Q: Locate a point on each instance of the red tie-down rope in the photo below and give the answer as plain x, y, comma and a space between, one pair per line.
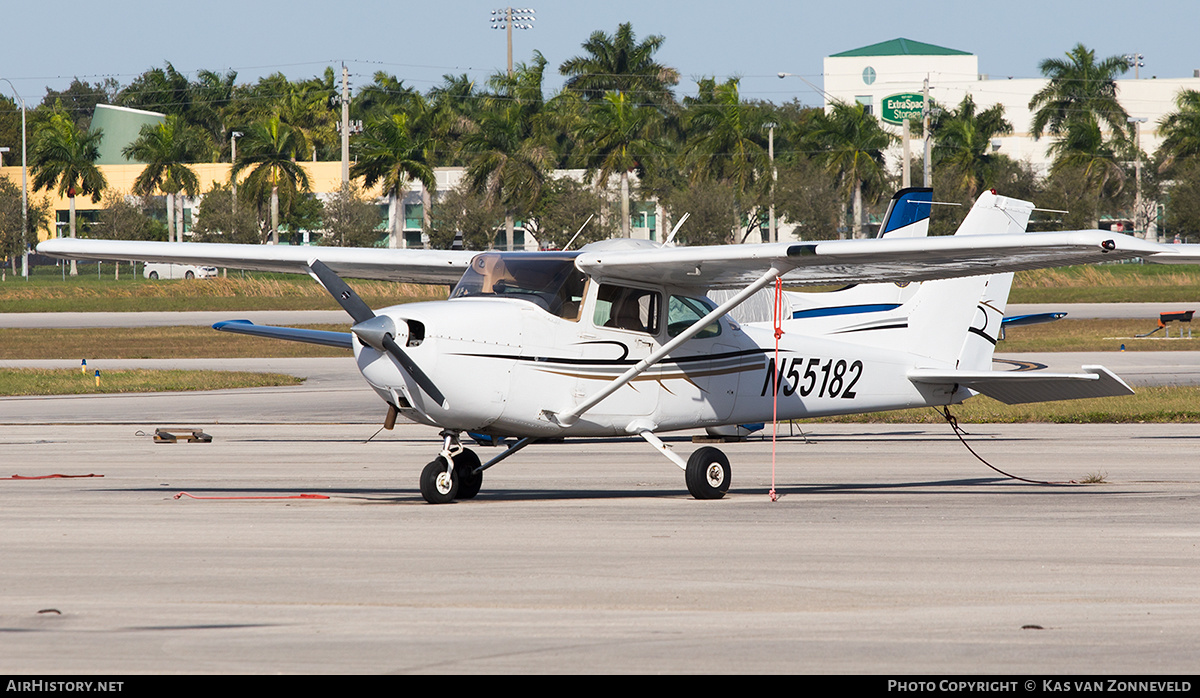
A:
46, 477
775, 379
289, 496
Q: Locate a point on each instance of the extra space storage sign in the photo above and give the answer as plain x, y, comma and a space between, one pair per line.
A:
897, 108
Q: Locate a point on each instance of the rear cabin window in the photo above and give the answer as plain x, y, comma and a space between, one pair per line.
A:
624, 308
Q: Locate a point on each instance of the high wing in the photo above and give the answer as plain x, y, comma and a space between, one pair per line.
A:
442, 267
721, 266
861, 261
1177, 254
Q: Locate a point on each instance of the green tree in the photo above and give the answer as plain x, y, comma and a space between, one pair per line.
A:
1098, 161
464, 211
125, 218
806, 196
1180, 130
268, 151
1079, 89
508, 151
1183, 202
64, 156
710, 204
79, 100
350, 219
962, 140
849, 142
564, 208
616, 137
619, 63
167, 148
15, 233
219, 221
390, 154
727, 141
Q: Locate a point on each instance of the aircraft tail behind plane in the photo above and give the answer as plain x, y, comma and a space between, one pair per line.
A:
953, 322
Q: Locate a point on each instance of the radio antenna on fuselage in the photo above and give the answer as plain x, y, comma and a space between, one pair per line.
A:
577, 232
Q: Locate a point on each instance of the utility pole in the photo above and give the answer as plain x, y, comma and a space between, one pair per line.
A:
24, 190
772, 236
928, 168
233, 160
905, 175
345, 127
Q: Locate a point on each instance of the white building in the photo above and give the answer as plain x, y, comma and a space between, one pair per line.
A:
872, 73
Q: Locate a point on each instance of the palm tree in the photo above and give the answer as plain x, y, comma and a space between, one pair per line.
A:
508, 147
962, 139
849, 143
615, 137
618, 63
1084, 149
166, 148
1079, 87
65, 155
1181, 130
269, 151
389, 152
725, 139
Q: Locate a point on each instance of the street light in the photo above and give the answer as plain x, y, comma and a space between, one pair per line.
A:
1137, 122
808, 82
1134, 60
508, 18
24, 190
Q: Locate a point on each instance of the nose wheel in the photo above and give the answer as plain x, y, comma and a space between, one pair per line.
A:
454, 474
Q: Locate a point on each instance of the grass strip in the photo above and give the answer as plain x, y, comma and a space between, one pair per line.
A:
1149, 405
1098, 335
68, 381
86, 293
180, 342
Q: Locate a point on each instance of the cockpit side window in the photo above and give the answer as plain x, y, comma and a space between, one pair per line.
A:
549, 281
624, 308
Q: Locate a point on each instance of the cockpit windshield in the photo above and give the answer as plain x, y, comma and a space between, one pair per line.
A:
547, 279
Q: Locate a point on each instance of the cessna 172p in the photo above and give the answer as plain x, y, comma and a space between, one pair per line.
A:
621, 338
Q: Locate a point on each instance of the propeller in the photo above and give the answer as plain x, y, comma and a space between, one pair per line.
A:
376, 331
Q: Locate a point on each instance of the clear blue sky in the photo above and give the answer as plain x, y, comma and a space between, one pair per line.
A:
47, 43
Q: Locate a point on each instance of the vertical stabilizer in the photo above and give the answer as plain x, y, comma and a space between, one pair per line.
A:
907, 214
956, 321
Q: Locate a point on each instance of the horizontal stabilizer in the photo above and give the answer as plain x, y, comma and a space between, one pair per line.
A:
1017, 387
340, 340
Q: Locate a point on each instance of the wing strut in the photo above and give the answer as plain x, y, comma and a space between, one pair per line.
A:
572, 415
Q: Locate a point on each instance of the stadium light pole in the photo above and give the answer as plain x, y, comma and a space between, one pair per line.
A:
24, 189
509, 18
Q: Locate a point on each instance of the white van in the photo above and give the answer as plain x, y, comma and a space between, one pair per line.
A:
177, 271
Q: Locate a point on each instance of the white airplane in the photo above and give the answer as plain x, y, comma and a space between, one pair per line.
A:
620, 338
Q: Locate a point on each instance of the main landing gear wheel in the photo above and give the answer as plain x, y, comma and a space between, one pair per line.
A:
708, 473
469, 479
437, 485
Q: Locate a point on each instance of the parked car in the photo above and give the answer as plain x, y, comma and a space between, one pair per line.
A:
178, 271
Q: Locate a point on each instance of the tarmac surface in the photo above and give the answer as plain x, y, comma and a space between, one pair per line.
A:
333, 317
890, 548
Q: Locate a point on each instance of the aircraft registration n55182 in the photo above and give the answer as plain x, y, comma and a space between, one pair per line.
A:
631, 337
